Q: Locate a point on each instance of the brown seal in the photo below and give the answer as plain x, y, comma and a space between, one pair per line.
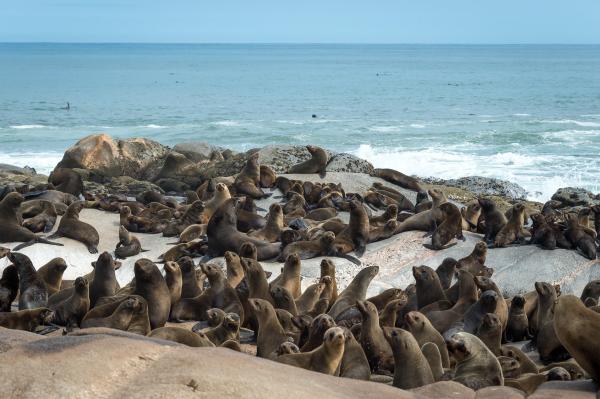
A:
192, 232
485, 283
432, 354
128, 245
512, 231
119, 315
32, 289
355, 291
227, 330
10, 224
323, 246
71, 311
391, 213
235, 271
151, 285
26, 320
104, 283
423, 220
321, 214
283, 299
414, 370
324, 359
248, 180
517, 327
183, 336
397, 178
487, 303
328, 269
490, 332
290, 275
356, 236
192, 215
271, 232
579, 237
223, 234
316, 164
43, 221
471, 214
476, 365
372, 338
474, 262
52, 273
494, 219
71, 227
309, 298
190, 287
541, 232
450, 228
576, 326
67, 181
382, 232
267, 176
429, 287
270, 331
174, 280
446, 271
354, 362
9, 287
316, 331
421, 328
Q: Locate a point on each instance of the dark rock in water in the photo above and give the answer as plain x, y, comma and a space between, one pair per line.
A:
199, 151
479, 185
572, 196
348, 163
105, 156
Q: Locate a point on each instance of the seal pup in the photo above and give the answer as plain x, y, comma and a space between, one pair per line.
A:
512, 231
151, 285
10, 224
196, 339
32, 289
174, 280
476, 365
316, 164
270, 332
324, 359
71, 311
248, 180
27, 319
423, 220
51, 273
290, 276
354, 363
104, 282
43, 221
451, 227
128, 245
413, 369
71, 227
517, 327
372, 338
420, 327
578, 236
494, 219
274, 226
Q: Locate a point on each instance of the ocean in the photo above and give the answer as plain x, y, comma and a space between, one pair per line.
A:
525, 113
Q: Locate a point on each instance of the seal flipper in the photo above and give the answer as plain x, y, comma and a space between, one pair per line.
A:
37, 240
322, 174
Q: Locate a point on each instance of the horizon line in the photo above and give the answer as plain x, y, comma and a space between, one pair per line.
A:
314, 43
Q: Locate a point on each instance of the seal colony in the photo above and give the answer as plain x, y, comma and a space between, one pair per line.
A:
452, 324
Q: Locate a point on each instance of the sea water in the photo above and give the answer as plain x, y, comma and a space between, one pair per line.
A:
526, 113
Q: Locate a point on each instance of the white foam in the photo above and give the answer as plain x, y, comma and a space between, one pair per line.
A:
575, 122
540, 175
153, 126
521, 114
417, 125
385, 129
227, 123
42, 162
24, 127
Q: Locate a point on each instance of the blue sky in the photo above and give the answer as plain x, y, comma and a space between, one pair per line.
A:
304, 21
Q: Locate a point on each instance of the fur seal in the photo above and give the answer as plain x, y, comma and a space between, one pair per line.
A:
576, 327
223, 234
27, 319
471, 214
486, 304
190, 287
413, 369
397, 178
227, 330
290, 275
446, 271
318, 326
474, 262
248, 180
420, 327
151, 285
183, 336
120, 314
372, 338
174, 280
451, 227
71, 227
128, 245
104, 282
9, 287
517, 328
357, 232
51, 273
476, 365
485, 283
579, 237
324, 359
10, 224
354, 362
309, 298
32, 289
270, 332
490, 332
432, 354
512, 231
355, 291
423, 221
43, 221
429, 287
494, 219
391, 213
328, 269
316, 164
71, 311
271, 232
67, 181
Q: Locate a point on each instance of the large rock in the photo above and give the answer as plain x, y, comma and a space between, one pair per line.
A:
16, 176
108, 157
349, 163
199, 151
281, 157
579, 389
487, 186
122, 365
571, 196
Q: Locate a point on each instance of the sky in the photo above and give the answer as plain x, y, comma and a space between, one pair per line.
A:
301, 21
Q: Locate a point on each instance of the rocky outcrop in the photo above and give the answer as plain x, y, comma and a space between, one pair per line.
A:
348, 163
571, 196
281, 157
15, 176
108, 157
484, 186
199, 151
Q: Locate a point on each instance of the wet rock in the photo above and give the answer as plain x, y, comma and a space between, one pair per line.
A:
103, 155
199, 151
348, 163
571, 196
487, 186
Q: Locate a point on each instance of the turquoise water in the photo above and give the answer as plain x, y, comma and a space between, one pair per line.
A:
529, 114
